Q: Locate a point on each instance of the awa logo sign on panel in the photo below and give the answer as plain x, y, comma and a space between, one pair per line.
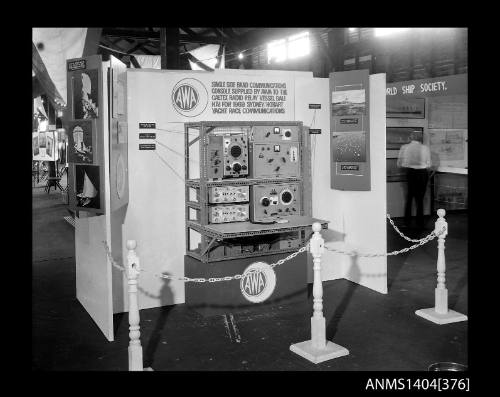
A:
258, 282
189, 97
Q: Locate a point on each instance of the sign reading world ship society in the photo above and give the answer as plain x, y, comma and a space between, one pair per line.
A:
258, 282
214, 97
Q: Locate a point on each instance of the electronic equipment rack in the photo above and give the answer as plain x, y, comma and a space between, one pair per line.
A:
211, 242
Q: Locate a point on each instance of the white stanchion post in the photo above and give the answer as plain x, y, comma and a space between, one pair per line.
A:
440, 314
318, 349
134, 349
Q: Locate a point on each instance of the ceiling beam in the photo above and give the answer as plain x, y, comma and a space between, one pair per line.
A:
155, 36
92, 41
257, 37
138, 46
43, 77
189, 31
323, 48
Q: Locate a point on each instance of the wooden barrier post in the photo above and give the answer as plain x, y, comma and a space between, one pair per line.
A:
440, 314
318, 349
134, 348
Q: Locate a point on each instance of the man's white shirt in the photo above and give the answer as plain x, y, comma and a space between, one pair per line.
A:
414, 155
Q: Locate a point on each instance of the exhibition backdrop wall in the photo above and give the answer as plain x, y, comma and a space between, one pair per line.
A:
155, 214
158, 103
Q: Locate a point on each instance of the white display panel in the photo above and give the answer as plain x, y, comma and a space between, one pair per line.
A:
93, 269
357, 218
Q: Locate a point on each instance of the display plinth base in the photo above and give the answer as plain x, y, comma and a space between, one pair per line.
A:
211, 299
330, 351
450, 317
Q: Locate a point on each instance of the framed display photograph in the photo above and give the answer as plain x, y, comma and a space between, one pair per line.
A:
49, 147
348, 103
450, 146
36, 147
87, 186
350, 147
42, 139
86, 94
408, 108
81, 141
399, 136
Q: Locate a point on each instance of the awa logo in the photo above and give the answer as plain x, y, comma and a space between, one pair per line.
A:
189, 97
258, 282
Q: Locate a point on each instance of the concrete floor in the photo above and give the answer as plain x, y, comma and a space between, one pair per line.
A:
381, 332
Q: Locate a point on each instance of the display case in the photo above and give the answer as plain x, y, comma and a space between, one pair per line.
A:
228, 167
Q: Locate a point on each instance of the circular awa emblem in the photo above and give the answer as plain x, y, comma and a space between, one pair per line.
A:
258, 282
189, 97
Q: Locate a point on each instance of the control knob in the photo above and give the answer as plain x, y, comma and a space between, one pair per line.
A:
265, 201
237, 167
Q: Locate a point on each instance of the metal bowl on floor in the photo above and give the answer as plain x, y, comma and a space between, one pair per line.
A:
447, 366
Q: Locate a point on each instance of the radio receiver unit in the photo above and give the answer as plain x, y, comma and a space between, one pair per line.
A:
227, 156
274, 201
228, 213
228, 194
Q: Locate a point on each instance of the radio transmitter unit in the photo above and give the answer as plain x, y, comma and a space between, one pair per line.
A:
228, 194
274, 201
275, 160
227, 156
228, 213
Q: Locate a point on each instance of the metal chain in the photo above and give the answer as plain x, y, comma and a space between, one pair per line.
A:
423, 241
401, 233
211, 279
110, 257
236, 276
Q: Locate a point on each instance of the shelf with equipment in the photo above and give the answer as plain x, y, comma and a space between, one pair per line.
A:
239, 164
222, 235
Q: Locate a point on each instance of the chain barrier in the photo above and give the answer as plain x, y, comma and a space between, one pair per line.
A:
421, 242
401, 233
211, 279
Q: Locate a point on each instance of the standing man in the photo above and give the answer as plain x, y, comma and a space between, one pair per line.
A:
416, 158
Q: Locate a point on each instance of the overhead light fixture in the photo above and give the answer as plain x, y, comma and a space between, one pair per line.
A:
240, 55
379, 32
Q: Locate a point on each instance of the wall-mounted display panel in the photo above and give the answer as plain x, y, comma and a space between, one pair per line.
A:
85, 130
44, 146
399, 136
410, 108
449, 146
350, 127
118, 134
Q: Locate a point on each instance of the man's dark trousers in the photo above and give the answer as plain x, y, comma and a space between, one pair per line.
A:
417, 184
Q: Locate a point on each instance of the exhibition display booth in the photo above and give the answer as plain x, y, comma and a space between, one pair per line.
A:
215, 172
